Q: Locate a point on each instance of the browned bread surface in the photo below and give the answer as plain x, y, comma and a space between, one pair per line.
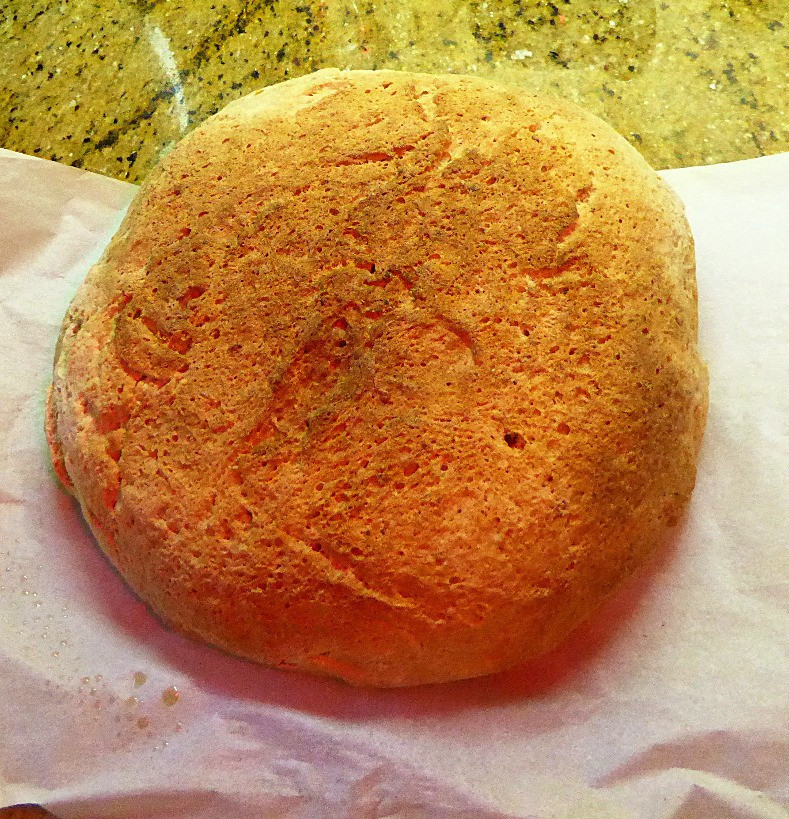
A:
385, 376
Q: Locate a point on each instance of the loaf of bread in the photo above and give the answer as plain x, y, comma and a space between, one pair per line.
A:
385, 376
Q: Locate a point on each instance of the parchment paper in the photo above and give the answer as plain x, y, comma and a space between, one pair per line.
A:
674, 701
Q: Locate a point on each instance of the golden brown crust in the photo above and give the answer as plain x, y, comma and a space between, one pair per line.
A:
386, 376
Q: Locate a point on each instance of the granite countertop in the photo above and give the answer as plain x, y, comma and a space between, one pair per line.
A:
110, 85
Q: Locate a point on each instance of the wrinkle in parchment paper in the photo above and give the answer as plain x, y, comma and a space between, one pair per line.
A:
672, 702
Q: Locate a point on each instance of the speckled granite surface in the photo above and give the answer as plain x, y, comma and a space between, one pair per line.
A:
109, 85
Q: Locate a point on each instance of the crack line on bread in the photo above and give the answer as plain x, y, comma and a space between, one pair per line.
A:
397, 152
346, 575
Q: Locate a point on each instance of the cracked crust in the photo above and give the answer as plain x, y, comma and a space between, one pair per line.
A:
385, 376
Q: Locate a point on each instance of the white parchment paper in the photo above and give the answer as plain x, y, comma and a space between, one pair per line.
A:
673, 702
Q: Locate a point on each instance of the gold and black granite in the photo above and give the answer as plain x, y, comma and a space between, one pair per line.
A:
111, 85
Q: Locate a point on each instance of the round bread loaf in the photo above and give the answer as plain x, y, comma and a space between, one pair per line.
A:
385, 376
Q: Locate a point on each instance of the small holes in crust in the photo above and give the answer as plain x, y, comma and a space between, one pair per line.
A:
515, 440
